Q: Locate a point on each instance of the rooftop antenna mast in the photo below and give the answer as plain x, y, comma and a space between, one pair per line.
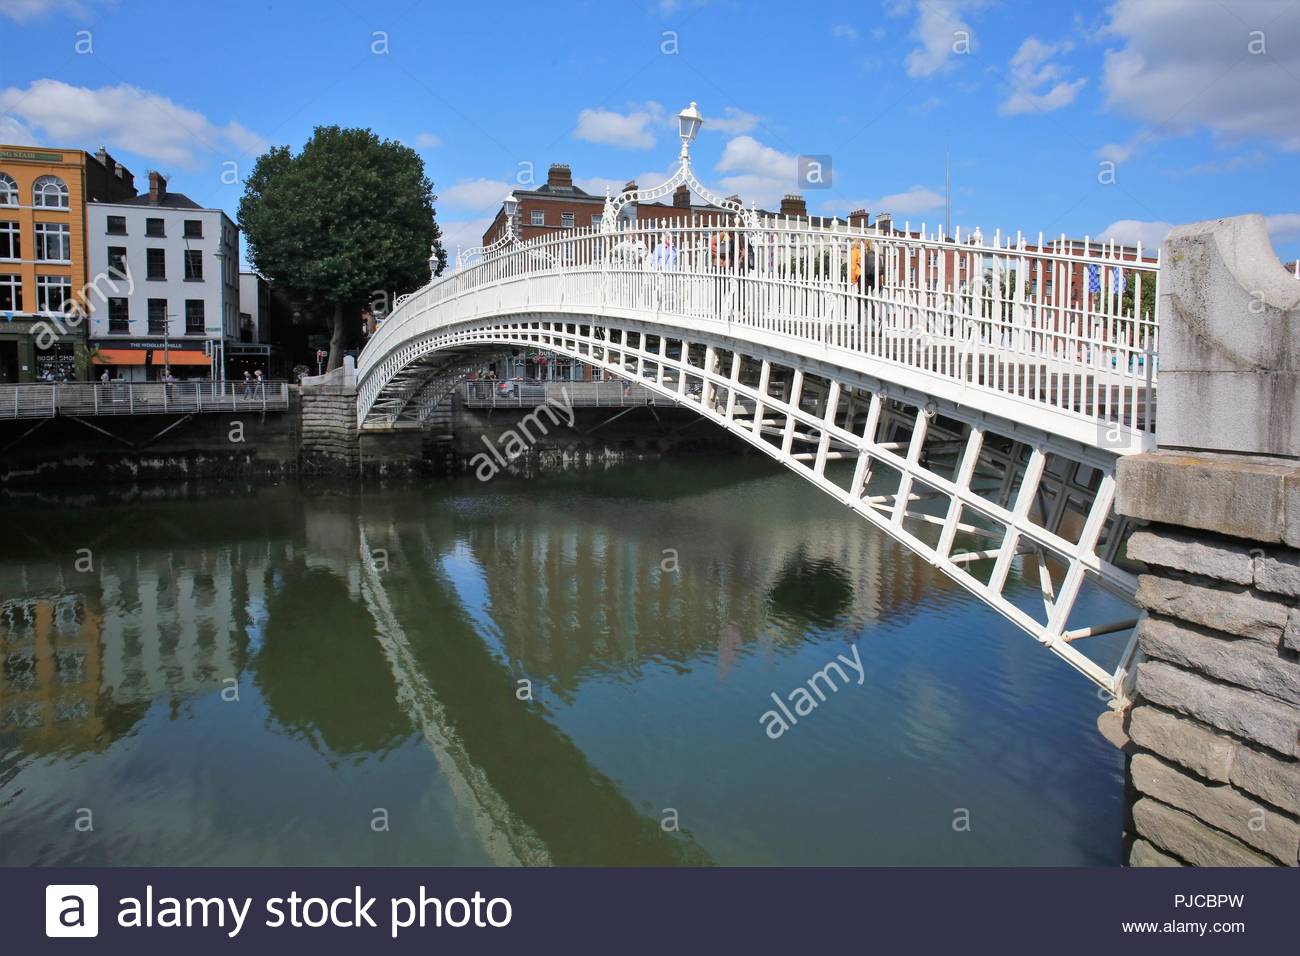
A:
947, 187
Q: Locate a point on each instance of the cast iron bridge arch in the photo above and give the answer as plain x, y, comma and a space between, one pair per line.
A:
978, 393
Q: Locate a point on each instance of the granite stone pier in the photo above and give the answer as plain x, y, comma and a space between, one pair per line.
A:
1212, 733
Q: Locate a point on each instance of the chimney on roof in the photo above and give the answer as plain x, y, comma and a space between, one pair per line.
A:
559, 175
629, 186
792, 204
101, 154
157, 187
859, 217
885, 223
682, 197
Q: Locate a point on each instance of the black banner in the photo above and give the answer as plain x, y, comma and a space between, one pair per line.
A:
656, 911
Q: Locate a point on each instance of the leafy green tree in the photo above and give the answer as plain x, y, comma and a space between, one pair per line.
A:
344, 221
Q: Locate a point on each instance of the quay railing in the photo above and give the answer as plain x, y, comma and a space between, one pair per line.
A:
91, 399
507, 393
1064, 325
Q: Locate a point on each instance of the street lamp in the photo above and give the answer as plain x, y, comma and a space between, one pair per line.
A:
689, 122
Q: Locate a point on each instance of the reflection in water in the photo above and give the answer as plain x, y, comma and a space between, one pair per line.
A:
817, 592
524, 672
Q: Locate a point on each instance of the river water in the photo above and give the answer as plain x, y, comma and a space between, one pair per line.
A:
575, 668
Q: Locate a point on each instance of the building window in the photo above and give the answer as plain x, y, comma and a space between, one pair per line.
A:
8, 190
194, 323
119, 316
53, 242
539, 217
155, 264
157, 316
117, 260
11, 293
50, 191
117, 225
193, 264
52, 293
10, 245
595, 219
566, 220
155, 228
193, 228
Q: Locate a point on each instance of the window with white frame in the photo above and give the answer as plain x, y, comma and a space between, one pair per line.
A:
595, 219
51, 192
8, 190
11, 293
539, 217
566, 220
52, 293
10, 245
53, 242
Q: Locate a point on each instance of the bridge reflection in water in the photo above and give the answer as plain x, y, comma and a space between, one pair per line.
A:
378, 647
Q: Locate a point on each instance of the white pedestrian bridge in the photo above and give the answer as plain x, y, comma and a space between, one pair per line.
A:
968, 395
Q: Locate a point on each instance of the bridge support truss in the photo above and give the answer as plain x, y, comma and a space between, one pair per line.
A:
1018, 516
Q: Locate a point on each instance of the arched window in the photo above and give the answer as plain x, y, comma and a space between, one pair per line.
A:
8, 190
50, 191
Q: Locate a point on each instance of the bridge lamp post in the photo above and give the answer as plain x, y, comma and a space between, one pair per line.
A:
689, 122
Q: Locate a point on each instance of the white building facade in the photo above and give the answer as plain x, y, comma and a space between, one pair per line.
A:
180, 308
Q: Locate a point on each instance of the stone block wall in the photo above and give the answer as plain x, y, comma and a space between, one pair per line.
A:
1213, 732
329, 443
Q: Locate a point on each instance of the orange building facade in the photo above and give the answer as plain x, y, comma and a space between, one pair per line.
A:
43, 261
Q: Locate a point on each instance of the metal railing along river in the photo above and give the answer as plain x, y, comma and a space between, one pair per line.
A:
89, 399
508, 393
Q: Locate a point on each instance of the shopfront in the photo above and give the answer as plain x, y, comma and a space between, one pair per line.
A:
145, 361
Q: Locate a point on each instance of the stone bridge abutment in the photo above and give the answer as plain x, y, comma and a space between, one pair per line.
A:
1212, 735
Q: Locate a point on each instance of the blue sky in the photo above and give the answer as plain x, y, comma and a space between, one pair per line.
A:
1195, 102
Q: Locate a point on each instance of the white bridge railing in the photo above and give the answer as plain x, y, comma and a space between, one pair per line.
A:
1062, 325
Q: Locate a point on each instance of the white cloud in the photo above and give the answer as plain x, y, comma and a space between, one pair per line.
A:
15, 133
733, 122
757, 173
844, 31
21, 11
1037, 84
474, 194
1131, 231
1284, 226
631, 130
1118, 152
462, 235
1230, 165
427, 140
927, 105
125, 117
1184, 66
911, 201
941, 32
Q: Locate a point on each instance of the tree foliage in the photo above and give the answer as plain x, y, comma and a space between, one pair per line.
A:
347, 219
